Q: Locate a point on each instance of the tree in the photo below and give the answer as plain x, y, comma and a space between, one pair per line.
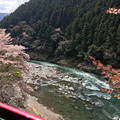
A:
111, 74
84, 22
12, 54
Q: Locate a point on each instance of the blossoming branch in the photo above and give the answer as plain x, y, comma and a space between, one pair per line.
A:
113, 11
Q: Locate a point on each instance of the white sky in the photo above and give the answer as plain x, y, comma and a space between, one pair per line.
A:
8, 6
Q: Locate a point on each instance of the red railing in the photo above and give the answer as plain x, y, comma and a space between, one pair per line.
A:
7, 111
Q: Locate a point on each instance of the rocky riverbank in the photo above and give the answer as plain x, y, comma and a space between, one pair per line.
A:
63, 61
32, 104
20, 94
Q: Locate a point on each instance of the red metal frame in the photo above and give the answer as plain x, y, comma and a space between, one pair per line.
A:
20, 112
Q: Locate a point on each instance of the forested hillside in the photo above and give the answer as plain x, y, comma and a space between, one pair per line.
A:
68, 29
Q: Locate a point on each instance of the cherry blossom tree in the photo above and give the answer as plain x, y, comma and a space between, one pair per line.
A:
12, 54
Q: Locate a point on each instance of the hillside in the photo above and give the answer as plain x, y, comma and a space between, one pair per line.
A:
2, 15
64, 29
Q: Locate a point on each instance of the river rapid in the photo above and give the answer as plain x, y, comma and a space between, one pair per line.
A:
72, 93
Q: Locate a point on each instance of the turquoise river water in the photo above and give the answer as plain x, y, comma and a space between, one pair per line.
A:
75, 95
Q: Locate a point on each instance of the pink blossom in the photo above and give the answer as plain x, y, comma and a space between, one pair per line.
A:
8, 51
113, 11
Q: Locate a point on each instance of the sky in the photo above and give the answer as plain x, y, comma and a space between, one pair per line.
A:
8, 6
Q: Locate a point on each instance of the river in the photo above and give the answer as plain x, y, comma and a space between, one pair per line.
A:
75, 94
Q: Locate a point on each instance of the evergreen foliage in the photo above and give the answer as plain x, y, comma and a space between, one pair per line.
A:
84, 28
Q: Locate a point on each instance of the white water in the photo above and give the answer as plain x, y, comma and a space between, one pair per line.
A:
67, 82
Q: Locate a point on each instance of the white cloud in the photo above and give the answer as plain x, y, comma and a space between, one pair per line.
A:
8, 6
